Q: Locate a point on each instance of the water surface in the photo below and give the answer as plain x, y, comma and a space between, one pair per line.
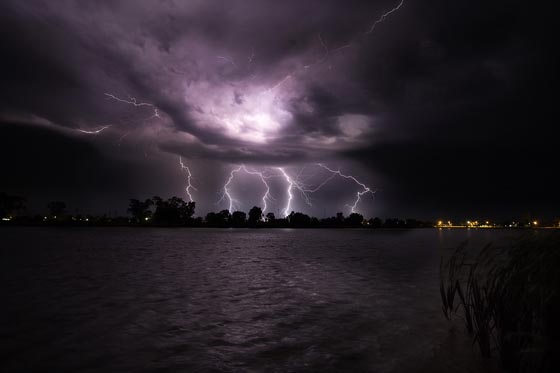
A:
109, 299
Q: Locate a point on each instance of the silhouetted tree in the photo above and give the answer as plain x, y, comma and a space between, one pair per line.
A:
299, 219
376, 223
281, 222
174, 211
255, 215
314, 222
270, 218
225, 217
328, 222
289, 217
394, 223
10, 205
186, 210
139, 210
56, 208
413, 223
355, 220
211, 219
238, 218
218, 219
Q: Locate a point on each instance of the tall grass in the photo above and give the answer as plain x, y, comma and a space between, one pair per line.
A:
508, 297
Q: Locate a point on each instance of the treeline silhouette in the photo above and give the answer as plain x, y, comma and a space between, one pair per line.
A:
174, 211
179, 212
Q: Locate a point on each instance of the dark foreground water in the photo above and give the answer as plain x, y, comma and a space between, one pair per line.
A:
225, 300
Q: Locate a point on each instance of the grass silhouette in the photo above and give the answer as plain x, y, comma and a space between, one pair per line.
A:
508, 297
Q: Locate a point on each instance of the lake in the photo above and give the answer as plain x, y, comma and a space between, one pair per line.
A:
226, 300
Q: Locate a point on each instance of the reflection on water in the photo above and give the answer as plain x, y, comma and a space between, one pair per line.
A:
222, 300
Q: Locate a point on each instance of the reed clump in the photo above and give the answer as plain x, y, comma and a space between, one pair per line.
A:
508, 297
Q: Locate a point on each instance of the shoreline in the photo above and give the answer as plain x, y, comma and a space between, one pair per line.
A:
204, 226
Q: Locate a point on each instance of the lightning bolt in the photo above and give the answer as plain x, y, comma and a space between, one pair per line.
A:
227, 59
134, 102
383, 16
119, 142
338, 49
227, 192
295, 183
189, 179
289, 190
359, 194
93, 132
304, 189
277, 85
291, 184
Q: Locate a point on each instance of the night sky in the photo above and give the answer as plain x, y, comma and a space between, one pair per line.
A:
446, 109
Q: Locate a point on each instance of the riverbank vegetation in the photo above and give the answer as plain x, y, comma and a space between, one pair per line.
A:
508, 298
174, 211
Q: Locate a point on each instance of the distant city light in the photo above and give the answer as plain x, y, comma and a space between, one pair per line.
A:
489, 224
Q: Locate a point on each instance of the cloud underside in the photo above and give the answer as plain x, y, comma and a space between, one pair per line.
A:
279, 83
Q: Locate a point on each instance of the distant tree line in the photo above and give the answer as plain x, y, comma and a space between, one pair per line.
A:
157, 211
10, 205
174, 211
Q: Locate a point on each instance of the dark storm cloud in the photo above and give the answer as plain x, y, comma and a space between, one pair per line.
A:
471, 110
45, 165
437, 86
68, 56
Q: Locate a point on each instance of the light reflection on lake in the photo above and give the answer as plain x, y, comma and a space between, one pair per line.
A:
106, 299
